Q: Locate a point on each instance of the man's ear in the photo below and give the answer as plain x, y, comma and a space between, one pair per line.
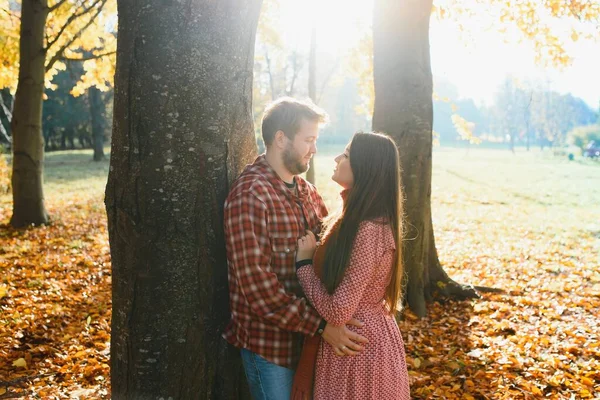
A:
279, 139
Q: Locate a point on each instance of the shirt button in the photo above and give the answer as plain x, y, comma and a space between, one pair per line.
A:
287, 250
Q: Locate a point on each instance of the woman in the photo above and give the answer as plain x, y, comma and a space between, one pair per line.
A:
357, 273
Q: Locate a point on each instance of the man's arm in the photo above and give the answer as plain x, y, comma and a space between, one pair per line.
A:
249, 257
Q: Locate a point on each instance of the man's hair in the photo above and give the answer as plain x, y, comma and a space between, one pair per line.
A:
286, 114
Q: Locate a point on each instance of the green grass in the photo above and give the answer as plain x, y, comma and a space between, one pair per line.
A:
70, 177
535, 183
493, 187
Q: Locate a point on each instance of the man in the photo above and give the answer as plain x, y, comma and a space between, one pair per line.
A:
268, 209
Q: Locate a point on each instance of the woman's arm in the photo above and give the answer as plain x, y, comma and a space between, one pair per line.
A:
367, 253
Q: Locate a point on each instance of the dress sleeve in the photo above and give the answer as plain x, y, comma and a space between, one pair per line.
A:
370, 246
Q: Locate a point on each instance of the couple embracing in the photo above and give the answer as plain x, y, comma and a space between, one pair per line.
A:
313, 296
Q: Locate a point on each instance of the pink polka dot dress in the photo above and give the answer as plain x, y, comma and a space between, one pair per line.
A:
379, 371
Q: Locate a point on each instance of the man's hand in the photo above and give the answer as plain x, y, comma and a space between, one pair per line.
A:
343, 340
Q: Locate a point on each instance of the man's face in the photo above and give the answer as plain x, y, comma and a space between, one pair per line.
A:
299, 151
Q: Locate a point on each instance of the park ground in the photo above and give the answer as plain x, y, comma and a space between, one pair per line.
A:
527, 223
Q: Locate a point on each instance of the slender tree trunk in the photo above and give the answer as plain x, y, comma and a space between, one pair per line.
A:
511, 143
404, 110
270, 71
312, 89
182, 132
97, 119
26, 125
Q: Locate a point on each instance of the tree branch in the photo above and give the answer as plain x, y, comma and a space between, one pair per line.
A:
92, 57
4, 135
70, 20
5, 109
326, 80
60, 52
58, 4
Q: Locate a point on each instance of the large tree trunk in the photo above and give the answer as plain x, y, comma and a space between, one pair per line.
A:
182, 132
97, 119
404, 110
26, 125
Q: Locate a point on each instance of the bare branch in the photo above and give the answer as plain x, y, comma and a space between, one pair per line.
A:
10, 13
5, 109
60, 52
4, 135
295, 72
271, 83
326, 80
70, 20
58, 4
92, 57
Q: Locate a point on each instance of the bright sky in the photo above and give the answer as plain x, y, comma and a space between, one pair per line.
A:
476, 66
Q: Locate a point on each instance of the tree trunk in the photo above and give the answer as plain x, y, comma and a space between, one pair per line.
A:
97, 119
404, 110
26, 124
312, 89
182, 132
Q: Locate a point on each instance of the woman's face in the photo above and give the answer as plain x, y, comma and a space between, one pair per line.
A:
342, 173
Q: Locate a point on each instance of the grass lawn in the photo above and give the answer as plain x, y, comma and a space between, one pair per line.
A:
528, 223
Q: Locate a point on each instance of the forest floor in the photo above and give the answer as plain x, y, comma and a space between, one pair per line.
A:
527, 223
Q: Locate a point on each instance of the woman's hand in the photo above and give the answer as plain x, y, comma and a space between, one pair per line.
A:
306, 246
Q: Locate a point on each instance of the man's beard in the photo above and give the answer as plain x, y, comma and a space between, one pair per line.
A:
293, 162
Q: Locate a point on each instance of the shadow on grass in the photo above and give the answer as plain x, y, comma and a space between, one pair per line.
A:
73, 166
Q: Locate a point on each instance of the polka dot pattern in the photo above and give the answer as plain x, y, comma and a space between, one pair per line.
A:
379, 372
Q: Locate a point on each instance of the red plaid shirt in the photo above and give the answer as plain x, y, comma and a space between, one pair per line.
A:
263, 222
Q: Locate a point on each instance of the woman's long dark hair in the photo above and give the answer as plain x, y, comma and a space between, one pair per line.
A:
376, 194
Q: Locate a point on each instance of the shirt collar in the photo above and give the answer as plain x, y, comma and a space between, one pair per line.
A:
268, 172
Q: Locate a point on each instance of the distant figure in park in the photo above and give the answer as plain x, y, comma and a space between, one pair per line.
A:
269, 208
356, 272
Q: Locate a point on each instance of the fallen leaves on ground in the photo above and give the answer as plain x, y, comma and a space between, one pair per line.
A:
55, 305
540, 339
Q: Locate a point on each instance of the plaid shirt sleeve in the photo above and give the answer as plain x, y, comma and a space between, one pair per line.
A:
249, 257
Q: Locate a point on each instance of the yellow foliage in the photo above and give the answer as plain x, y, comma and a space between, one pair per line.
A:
465, 129
83, 30
5, 175
360, 64
533, 20
539, 22
9, 46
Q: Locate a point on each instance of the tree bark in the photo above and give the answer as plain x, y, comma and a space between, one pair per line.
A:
26, 124
404, 110
182, 132
312, 89
97, 120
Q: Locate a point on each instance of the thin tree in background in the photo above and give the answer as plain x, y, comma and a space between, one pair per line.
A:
48, 34
404, 109
312, 88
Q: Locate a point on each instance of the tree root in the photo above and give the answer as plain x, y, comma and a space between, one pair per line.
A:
456, 291
487, 289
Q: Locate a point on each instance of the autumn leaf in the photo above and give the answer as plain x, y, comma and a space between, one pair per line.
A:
20, 363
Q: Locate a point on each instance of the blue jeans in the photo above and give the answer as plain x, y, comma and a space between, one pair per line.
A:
267, 381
